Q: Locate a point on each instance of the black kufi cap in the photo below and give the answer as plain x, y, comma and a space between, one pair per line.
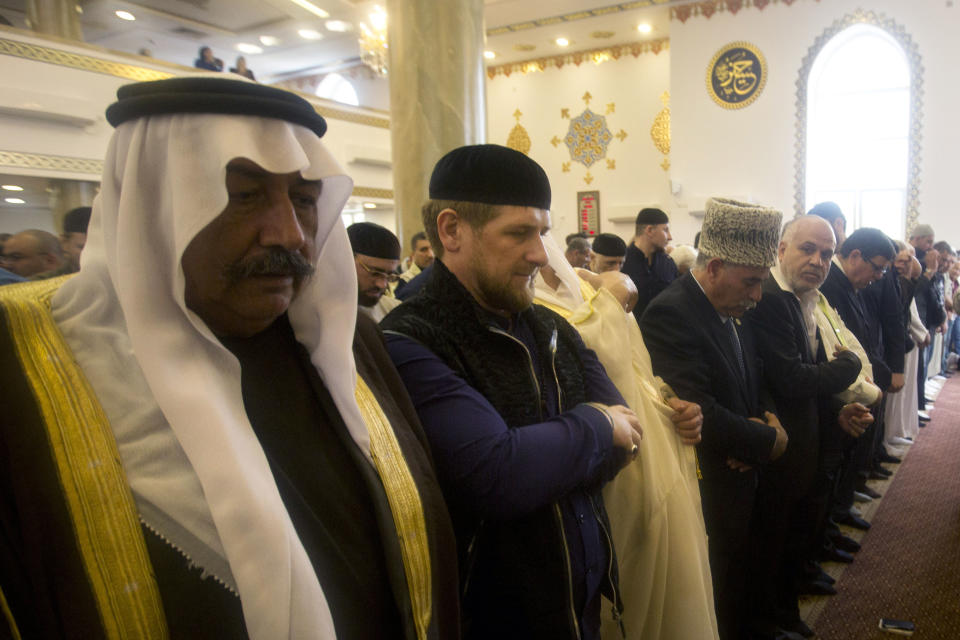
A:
652, 215
607, 244
372, 240
212, 95
76, 220
490, 174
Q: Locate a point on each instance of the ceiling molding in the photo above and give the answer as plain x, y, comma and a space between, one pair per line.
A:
571, 17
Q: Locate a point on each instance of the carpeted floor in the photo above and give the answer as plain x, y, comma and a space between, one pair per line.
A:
909, 566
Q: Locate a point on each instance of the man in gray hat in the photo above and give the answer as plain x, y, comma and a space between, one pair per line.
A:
700, 348
524, 424
647, 261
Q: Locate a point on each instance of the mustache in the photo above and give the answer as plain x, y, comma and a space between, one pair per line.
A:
276, 261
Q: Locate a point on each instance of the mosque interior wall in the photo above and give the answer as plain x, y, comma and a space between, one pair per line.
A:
746, 153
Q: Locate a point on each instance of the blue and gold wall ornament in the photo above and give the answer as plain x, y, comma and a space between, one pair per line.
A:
519, 139
736, 75
588, 137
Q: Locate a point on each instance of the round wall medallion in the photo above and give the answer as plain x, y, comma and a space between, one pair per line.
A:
736, 75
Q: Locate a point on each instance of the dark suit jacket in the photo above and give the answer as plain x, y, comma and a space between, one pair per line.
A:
885, 319
849, 304
691, 350
800, 381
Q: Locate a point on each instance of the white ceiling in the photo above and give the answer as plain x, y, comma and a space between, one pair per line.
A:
174, 30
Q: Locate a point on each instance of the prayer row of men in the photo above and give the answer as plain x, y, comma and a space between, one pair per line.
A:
203, 438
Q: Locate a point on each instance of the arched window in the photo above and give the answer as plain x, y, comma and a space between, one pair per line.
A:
858, 128
335, 87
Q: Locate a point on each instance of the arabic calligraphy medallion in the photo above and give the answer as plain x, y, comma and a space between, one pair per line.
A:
736, 75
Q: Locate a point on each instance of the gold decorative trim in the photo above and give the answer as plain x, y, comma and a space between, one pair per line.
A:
912, 52
372, 192
734, 75
660, 130
101, 508
405, 505
60, 58
69, 164
706, 8
519, 139
83, 62
8, 615
572, 17
350, 116
576, 58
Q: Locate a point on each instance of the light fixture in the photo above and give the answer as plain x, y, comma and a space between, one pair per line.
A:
310, 34
373, 41
125, 15
489, 55
369, 205
11, 187
249, 49
312, 8
339, 26
644, 27
15, 200
563, 42
269, 41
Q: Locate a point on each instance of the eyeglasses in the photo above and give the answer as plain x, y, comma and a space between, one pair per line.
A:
879, 270
378, 273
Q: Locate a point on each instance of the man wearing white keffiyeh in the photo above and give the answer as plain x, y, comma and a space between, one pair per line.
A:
266, 439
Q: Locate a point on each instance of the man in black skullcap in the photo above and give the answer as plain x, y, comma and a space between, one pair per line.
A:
609, 252
200, 437
74, 236
376, 254
524, 425
647, 262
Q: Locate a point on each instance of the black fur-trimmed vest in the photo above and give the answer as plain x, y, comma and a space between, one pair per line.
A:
523, 561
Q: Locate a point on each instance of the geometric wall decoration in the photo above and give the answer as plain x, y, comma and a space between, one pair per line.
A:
588, 137
660, 131
519, 139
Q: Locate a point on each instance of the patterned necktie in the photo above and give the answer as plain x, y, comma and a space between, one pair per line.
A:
735, 342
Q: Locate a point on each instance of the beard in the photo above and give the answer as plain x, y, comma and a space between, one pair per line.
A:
501, 293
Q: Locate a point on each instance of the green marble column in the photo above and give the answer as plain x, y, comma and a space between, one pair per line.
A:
437, 93
55, 18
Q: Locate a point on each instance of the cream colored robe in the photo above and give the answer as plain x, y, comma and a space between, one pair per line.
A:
653, 503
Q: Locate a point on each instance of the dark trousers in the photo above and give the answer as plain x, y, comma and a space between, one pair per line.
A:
726, 513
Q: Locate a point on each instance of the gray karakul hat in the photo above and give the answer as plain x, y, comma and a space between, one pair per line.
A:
740, 232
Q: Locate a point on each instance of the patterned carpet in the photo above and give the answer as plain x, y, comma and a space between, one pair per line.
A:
909, 567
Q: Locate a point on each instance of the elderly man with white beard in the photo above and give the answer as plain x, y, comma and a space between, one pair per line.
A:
793, 491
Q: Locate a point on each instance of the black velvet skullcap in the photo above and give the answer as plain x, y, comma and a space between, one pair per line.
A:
77, 220
372, 240
607, 244
212, 95
652, 215
490, 174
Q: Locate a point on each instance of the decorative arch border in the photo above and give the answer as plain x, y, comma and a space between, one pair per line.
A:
916, 106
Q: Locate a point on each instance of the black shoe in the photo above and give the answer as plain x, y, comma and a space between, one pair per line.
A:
813, 573
880, 474
798, 627
816, 588
865, 489
830, 553
922, 423
845, 543
854, 521
886, 457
